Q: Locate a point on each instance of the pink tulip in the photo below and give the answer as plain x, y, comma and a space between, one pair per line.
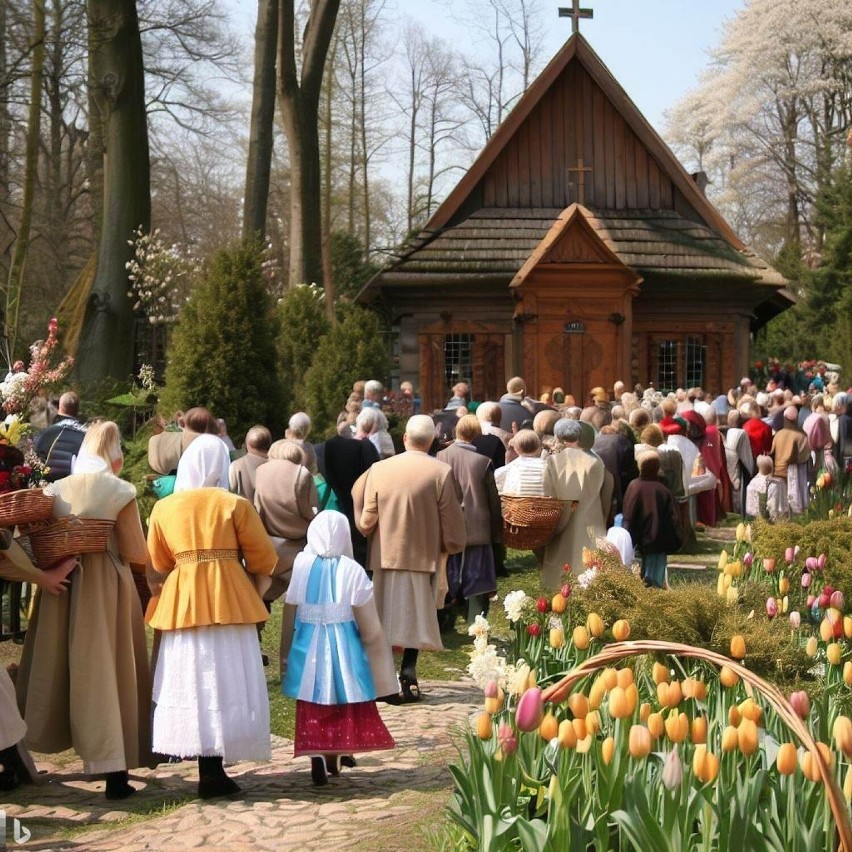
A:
811, 600
507, 739
789, 555
837, 600
811, 563
771, 607
821, 560
800, 702
795, 619
748, 559
769, 565
530, 710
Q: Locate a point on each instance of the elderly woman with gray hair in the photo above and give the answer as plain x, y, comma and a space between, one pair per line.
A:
578, 480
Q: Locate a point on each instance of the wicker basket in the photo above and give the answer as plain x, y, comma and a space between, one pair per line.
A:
51, 541
529, 522
619, 650
27, 506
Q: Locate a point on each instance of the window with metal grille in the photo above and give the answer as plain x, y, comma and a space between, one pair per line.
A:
458, 358
667, 365
696, 359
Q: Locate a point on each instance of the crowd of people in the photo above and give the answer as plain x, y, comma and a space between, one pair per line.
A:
371, 546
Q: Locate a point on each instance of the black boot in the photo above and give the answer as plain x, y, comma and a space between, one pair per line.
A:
212, 780
117, 786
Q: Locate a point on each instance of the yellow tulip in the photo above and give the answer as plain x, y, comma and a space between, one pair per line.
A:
787, 759
484, 728
549, 727
620, 630
738, 647
728, 677
730, 738
811, 646
594, 625
578, 704
608, 750
747, 737
660, 673
834, 653
580, 637
593, 722
698, 730
639, 741
619, 704
842, 733
566, 735
677, 726
624, 677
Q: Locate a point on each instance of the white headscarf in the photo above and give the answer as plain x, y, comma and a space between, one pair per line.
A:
204, 464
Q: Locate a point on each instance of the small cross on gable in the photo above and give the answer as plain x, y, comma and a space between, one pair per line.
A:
575, 13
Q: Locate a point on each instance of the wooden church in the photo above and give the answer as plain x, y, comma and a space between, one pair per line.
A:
575, 251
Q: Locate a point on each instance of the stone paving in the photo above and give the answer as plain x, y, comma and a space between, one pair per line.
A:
391, 800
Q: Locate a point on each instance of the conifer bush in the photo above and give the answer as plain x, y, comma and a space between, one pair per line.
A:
223, 352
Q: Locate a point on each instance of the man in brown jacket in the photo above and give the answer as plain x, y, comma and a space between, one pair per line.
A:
410, 505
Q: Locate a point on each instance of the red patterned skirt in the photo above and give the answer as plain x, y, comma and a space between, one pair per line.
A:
339, 729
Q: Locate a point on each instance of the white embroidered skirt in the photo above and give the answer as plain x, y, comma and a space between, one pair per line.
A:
210, 694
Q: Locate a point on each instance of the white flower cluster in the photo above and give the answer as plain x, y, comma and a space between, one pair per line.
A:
160, 276
514, 605
587, 578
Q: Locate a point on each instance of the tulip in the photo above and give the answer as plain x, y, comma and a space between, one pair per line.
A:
698, 730
609, 678
507, 739
672, 776
620, 630
656, 725
789, 555
837, 600
530, 710
729, 677
821, 560
624, 677
566, 735
811, 563
747, 737
660, 673
619, 704
847, 672
795, 619
738, 647
806, 580
549, 727
730, 738
769, 565
578, 704
842, 733
639, 741
608, 750
484, 728
580, 729
580, 638
594, 625
834, 653
677, 726
558, 603
542, 604
783, 585
786, 760
811, 646
556, 637
771, 607
801, 703
593, 722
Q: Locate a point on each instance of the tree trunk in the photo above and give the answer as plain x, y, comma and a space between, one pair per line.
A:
262, 121
299, 96
106, 343
16, 271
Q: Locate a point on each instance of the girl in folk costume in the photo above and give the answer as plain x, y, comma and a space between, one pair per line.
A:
335, 658
209, 688
84, 681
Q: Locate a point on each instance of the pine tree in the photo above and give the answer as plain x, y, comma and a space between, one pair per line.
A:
223, 353
303, 324
354, 349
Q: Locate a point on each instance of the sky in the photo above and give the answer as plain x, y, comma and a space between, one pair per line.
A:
655, 48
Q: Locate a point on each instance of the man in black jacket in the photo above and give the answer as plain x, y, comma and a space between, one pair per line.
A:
59, 443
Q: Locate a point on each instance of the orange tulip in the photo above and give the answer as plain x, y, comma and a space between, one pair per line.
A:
608, 750
787, 759
639, 741
484, 728
728, 677
660, 673
619, 704
549, 727
747, 737
698, 730
594, 624
730, 739
620, 630
578, 704
566, 734
738, 648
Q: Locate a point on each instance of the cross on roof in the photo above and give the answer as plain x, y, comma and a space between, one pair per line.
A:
575, 13
581, 179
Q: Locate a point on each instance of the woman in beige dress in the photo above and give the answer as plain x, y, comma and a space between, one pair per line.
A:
84, 680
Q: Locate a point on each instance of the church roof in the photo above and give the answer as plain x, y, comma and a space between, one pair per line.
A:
495, 242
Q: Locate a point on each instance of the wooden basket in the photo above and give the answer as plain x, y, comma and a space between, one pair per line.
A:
26, 506
619, 650
52, 541
529, 522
